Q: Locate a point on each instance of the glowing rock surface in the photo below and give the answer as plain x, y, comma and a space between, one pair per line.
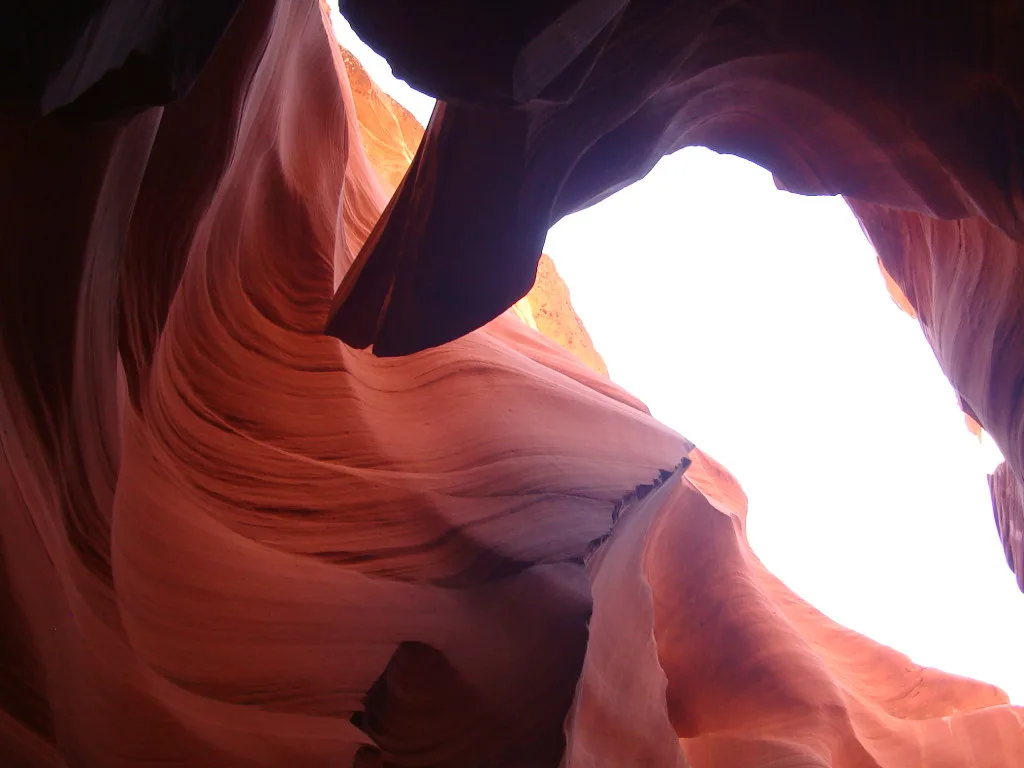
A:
230, 540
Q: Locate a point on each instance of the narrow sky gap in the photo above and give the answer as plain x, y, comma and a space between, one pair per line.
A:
756, 323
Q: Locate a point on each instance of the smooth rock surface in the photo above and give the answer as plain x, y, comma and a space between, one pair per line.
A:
229, 540
917, 119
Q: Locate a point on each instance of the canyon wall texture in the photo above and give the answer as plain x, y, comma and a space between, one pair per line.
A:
916, 118
229, 539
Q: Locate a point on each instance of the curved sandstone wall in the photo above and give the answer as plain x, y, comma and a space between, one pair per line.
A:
230, 540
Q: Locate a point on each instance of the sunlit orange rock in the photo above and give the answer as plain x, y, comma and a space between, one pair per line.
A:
230, 540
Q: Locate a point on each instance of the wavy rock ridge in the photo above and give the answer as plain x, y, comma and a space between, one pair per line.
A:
231, 540
917, 119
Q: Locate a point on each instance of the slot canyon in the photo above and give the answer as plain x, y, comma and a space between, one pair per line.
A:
307, 458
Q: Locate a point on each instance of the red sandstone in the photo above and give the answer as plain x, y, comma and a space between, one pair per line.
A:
230, 540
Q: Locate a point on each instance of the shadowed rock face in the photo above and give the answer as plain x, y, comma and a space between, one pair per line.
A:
391, 136
879, 102
230, 540
916, 118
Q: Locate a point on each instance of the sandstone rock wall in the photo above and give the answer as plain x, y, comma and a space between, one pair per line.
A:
917, 119
227, 539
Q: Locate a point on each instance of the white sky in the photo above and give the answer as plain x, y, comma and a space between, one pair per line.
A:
756, 323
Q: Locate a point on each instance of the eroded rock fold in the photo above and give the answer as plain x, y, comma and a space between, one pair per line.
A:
229, 539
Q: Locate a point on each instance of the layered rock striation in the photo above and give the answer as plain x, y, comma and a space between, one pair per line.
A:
917, 119
229, 539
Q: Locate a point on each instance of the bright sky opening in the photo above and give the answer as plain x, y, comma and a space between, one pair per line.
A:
756, 323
